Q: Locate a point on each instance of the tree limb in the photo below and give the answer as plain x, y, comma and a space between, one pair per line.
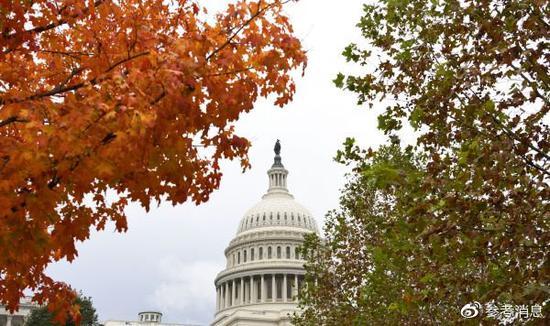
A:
235, 33
60, 89
11, 119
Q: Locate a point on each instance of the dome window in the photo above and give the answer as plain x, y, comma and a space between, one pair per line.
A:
252, 254
263, 217
244, 256
297, 253
261, 253
238, 257
278, 217
279, 252
268, 252
287, 252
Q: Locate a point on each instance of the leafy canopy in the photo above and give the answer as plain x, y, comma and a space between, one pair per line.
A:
468, 218
133, 97
43, 317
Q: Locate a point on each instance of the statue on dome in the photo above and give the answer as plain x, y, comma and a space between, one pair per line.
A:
277, 148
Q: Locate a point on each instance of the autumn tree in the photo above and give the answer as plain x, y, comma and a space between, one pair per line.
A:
43, 317
132, 98
470, 222
347, 279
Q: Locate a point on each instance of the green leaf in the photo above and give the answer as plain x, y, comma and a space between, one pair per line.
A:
339, 80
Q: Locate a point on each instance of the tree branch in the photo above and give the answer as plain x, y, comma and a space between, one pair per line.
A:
235, 33
512, 136
11, 119
40, 29
60, 89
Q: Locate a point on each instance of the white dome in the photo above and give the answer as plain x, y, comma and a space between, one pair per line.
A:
265, 269
275, 210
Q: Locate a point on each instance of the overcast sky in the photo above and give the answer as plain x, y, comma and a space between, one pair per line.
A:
169, 257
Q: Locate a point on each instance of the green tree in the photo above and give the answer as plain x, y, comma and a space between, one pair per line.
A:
468, 220
42, 317
347, 272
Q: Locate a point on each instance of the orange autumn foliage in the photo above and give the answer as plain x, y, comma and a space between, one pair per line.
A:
136, 97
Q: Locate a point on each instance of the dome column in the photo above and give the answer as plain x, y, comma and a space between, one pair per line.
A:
222, 303
296, 286
226, 292
273, 288
233, 293
218, 298
242, 291
284, 288
222, 297
252, 290
262, 284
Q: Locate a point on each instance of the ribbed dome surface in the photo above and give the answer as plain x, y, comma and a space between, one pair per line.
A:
277, 209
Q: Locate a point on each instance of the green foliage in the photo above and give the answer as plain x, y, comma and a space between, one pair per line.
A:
339, 81
43, 317
464, 214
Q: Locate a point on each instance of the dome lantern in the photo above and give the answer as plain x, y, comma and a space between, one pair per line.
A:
277, 174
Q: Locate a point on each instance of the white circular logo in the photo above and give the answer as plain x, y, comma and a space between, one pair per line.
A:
470, 310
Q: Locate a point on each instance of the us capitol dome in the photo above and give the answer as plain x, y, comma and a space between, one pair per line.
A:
264, 269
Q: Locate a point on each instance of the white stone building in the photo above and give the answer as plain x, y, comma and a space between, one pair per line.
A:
264, 269
19, 317
145, 318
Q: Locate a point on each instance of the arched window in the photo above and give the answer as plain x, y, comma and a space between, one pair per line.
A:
296, 253
261, 253
287, 252
252, 254
239, 257
268, 252
244, 257
279, 252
